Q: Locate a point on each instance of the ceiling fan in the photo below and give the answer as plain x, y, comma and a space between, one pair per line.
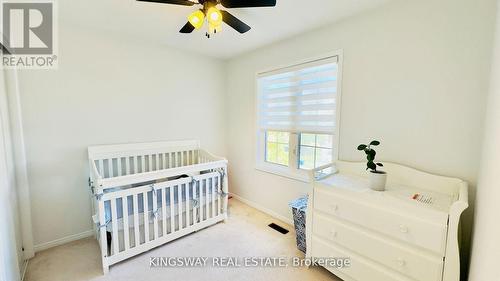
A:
213, 15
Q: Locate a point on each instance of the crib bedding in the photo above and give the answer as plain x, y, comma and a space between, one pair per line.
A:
194, 206
194, 198
192, 214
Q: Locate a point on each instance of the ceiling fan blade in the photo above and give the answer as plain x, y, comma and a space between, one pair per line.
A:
174, 2
234, 22
187, 28
247, 3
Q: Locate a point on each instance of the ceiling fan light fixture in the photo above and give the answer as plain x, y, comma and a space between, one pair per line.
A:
214, 16
212, 29
196, 19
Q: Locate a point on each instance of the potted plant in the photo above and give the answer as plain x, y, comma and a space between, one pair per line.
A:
377, 178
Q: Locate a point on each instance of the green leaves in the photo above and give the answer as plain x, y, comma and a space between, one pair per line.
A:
362, 147
370, 165
370, 155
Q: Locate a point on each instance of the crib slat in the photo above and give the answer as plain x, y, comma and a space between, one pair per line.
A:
164, 210
179, 199
119, 166
189, 218
127, 166
182, 158
171, 158
146, 216
207, 198
110, 167
126, 229
150, 160
143, 163
102, 229
202, 196
134, 170
196, 196
101, 168
172, 216
219, 189
114, 224
212, 201
137, 237
155, 215
200, 203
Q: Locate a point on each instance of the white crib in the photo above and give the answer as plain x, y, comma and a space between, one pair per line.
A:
147, 194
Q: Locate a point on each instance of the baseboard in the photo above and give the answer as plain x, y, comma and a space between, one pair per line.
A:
64, 240
263, 209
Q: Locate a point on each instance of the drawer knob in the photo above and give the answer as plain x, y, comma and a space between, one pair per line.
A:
333, 233
334, 207
403, 228
401, 262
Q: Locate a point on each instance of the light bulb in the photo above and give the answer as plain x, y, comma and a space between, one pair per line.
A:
196, 19
214, 16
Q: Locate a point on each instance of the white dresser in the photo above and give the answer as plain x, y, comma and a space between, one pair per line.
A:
388, 236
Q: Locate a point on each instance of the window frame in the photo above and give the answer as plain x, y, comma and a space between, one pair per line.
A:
293, 170
315, 147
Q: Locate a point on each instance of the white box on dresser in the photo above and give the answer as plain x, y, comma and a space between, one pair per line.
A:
387, 235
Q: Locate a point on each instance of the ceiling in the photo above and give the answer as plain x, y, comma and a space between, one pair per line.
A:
160, 23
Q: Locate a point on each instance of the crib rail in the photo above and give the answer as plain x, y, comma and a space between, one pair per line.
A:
169, 210
103, 184
135, 149
112, 166
126, 165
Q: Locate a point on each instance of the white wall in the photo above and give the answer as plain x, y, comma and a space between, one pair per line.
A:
108, 90
11, 256
486, 243
415, 78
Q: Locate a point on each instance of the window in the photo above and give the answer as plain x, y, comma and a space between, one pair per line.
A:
297, 117
277, 147
315, 150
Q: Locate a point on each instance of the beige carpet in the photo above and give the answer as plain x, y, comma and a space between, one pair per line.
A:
246, 234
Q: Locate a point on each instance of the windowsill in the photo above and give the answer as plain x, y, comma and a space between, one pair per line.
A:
282, 172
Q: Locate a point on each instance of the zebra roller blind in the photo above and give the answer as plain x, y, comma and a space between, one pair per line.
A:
300, 98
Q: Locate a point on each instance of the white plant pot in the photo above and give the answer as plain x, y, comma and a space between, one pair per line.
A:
378, 180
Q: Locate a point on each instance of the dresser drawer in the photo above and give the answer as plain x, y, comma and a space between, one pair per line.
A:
427, 234
361, 269
410, 262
